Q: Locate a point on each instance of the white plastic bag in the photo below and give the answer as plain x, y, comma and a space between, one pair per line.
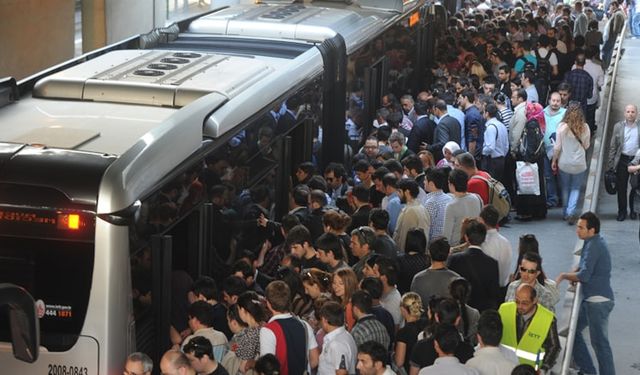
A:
527, 178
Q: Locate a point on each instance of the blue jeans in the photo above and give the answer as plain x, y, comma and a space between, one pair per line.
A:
634, 18
570, 186
596, 316
551, 182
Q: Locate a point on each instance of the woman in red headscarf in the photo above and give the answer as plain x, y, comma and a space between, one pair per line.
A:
532, 206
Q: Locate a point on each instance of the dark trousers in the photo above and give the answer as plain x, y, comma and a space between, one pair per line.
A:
591, 118
622, 181
509, 177
494, 166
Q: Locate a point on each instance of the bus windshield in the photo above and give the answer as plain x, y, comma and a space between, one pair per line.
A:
58, 275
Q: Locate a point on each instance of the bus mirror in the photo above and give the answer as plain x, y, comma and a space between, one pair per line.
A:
25, 327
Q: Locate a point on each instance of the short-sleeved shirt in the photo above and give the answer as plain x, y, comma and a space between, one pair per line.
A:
268, 338
424, 353
391, 301
337, 344
520, 61
480, 187
409, 336
551, 56
219, 370
218, 341
433, 282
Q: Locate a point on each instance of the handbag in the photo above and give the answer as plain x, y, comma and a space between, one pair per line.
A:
528, 178
610, 182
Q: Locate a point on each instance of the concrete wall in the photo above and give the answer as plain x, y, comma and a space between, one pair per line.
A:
126, 18
106, 22
35, 34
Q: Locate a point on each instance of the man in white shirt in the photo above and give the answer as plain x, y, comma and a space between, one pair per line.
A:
496, 143
339, 349
597, 74
489, 359
543, 52
496, 245
446, 340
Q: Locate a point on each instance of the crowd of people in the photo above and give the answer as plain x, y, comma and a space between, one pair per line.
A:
393, 262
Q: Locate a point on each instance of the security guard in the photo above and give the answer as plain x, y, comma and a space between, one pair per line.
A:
530, 329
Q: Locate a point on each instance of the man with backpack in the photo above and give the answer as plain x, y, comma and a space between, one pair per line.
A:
524, 59
490, 190
547, 67
467, 163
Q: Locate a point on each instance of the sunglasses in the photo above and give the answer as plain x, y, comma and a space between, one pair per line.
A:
524, 270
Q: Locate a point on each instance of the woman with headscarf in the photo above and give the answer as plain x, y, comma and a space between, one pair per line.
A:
448, 150
532, 206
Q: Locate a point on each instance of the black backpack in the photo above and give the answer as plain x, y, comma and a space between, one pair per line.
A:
528, 66
543, 71
531, 142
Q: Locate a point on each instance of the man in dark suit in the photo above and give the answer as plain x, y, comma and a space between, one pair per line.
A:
424, 128
448, 129
360, 217
478, 268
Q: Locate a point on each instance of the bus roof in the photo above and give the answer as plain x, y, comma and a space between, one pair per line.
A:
108, 103
302, 22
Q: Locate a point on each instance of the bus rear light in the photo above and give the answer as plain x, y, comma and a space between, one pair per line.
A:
73, 222
69, 222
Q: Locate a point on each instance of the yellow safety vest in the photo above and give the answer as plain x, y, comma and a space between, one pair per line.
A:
529, 350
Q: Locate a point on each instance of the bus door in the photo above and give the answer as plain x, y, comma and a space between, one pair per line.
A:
375, 87
435, 26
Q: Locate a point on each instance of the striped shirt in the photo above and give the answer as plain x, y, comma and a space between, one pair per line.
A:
505, 116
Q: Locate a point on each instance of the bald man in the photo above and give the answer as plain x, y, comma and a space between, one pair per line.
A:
625, 142
175, 362
530, 330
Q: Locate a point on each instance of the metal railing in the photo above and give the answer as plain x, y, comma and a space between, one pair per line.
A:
592, 191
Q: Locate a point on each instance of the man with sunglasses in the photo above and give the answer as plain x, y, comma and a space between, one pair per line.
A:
530, 330
530, 273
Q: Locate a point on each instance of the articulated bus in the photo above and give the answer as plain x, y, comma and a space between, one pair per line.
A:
145, 163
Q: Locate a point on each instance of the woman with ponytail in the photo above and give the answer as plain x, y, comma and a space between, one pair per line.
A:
468, 326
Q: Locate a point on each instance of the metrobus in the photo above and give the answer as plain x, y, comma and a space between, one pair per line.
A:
142, 163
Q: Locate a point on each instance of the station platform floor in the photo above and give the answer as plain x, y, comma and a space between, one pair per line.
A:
622, 237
